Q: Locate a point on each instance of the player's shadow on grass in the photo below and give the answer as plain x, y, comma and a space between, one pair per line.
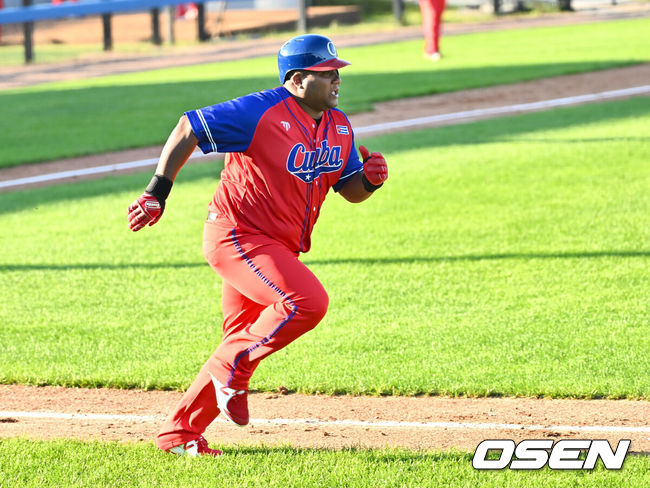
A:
326, 262
387, 457
99, 266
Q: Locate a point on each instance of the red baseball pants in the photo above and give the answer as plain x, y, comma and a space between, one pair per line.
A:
431, 17
269, 299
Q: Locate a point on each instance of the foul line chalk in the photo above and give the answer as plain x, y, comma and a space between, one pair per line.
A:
340, 423
507, 109
110, 168
369, 129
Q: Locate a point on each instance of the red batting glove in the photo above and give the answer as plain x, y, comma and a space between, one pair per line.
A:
374, 166
145, 210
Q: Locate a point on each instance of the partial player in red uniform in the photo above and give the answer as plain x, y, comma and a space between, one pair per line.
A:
431, 11
285, 148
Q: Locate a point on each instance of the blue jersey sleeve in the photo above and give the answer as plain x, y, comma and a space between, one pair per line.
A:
352, 165
230, 126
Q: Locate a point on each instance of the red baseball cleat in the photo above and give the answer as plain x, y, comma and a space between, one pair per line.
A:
232, 403
197, 447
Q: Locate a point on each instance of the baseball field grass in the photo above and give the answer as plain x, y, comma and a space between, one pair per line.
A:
14, 55
506, 257
55, 120
73, 463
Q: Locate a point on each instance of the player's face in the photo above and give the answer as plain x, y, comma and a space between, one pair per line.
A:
321, 89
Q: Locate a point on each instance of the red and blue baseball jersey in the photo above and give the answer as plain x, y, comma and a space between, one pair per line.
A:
280, 162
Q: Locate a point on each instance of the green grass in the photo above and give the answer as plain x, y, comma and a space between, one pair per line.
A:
14, 55
74, 463
505, 257
48, 53
55, 120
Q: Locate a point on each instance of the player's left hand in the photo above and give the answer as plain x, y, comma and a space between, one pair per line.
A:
146, 209
374, 166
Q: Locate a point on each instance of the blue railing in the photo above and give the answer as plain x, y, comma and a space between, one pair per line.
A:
106, 8
34, 13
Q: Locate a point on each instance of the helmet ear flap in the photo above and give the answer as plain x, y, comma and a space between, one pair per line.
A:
303, 73
289, 75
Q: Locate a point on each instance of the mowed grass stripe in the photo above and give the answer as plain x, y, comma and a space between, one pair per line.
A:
506, 257
74, 463
56, 120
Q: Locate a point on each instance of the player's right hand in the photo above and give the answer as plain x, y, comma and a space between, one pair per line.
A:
146, 209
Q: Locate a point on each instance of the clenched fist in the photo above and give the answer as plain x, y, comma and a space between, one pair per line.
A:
375, 168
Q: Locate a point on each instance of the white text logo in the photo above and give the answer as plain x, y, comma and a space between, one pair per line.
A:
535, 454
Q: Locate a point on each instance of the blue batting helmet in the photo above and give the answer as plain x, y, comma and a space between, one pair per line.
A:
311, 52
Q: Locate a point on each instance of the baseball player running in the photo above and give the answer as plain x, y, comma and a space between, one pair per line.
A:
285, 148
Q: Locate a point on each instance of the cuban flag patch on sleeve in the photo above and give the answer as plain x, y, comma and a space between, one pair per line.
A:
342, 129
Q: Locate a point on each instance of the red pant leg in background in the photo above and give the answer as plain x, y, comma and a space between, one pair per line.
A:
431, 18
269, 299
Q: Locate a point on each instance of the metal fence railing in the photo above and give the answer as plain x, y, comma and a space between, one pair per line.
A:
30, 11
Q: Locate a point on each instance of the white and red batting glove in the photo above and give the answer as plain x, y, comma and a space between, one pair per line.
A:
145, 210
149, 207
375, 169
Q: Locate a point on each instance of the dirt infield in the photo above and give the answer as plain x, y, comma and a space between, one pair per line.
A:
335, 422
